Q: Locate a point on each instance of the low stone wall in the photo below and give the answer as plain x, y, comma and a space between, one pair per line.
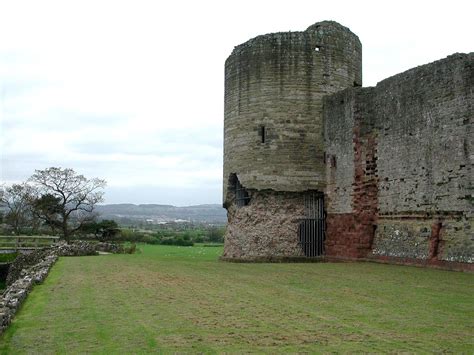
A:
26, 277
110, 248
24, 262
30, 269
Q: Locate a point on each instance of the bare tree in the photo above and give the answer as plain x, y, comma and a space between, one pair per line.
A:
16, 199
67, 199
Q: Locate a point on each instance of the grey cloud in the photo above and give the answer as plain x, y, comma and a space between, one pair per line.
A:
63, 120
202, 144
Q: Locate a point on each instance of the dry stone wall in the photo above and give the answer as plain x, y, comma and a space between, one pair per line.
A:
28, 276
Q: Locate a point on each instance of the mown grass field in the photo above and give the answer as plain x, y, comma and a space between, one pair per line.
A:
181, 299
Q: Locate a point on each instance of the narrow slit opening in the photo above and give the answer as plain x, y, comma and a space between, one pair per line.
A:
262, 134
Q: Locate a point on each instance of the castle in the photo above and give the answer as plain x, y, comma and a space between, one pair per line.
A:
317, 166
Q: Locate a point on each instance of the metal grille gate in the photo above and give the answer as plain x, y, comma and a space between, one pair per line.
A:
242, 197
311, 230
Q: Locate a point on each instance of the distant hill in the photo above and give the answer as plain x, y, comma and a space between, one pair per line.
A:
152, 213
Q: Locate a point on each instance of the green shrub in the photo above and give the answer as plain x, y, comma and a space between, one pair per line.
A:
199, 240
178, 235
130, 249
177, 241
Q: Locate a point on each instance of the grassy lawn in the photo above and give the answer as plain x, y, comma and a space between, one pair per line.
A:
182, 299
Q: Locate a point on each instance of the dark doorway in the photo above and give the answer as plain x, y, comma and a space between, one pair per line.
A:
312, 228
242, 197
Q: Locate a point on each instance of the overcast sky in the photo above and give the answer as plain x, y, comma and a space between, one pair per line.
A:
133, 91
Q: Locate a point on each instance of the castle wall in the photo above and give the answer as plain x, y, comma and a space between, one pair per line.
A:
277, 82
266, 228
411, 167
395, 162
273, 131
351, 158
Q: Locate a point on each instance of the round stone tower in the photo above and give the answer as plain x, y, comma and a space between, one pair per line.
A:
273, 131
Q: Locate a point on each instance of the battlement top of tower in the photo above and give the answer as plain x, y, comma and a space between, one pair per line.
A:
330, 26
322, 28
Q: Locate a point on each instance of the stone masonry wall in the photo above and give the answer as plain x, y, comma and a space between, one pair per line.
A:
416, 132
276, 83
395, 161
267, 228
351, 160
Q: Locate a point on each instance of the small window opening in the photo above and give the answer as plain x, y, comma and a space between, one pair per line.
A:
356, 84
333, 161
317, 48
262, 133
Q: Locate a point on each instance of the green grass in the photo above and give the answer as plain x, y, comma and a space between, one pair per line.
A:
7, 257
181, 299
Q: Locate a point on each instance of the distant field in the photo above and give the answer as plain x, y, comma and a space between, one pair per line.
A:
181, 299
